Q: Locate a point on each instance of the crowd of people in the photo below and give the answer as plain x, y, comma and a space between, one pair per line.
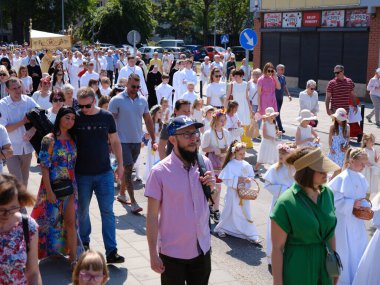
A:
104, 107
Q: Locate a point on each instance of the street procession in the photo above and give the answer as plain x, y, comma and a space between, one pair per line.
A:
184, 142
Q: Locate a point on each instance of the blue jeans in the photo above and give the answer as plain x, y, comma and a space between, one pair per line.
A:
102, 185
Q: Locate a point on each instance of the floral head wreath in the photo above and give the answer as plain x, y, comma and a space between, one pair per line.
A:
238, 146
219, 113
285, 147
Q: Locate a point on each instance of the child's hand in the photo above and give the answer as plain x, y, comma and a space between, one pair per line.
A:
317, 139
147, 136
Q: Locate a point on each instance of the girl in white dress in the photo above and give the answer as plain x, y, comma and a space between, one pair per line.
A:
208, 111
278, 178
236, 219
233, 124
349, 187
196, 110
216, 90
372, 170
152, 156
165, 110
305, 134
268, 153
368, 271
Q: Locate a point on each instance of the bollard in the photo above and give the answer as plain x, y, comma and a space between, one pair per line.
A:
201, 88
362, 108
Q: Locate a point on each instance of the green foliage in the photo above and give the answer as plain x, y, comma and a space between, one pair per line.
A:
232, 16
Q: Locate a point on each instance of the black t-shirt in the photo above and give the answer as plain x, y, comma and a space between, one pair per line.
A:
164, 135
92, 142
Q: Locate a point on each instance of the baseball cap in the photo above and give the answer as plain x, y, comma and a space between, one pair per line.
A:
181, 122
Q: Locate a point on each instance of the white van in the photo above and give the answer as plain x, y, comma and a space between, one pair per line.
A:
171, 43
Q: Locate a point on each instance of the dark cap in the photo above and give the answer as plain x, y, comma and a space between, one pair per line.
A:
182, 122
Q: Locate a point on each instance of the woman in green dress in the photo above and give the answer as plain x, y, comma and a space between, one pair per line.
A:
303, 221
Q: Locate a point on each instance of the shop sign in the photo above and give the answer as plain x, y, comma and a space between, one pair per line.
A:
333, 19
272, 20
357, 18
291, 20
311, 19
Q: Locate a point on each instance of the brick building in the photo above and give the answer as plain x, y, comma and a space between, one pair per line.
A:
310, 39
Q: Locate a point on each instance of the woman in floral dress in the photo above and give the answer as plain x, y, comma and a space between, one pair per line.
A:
56, 217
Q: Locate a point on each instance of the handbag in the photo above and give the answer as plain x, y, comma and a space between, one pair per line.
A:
333, 263
62, 188
363, 213
253, 129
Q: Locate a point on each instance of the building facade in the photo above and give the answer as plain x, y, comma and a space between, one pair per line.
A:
310, 37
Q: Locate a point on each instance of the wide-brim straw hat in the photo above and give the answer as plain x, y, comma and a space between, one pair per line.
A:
306, 115
270, 112
208, 108
340, 114
316, 161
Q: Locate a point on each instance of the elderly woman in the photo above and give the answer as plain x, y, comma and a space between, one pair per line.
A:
266, 87
309, 99
19, 235
4, 75
303, 222
68, 93
374, 92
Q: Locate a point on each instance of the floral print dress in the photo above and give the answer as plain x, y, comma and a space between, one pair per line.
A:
337, 141
60, 157
13, 254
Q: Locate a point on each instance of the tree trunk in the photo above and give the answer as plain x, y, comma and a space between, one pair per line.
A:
205, 22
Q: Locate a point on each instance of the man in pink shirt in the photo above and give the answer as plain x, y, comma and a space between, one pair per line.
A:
178, 213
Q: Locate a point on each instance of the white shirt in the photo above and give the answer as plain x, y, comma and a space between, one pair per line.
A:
25, 61
188, 76
121, 63
127, 70
372, 84
4, 140
218, 65
309, 102
253, 96
13, 112
43, 102
17, 63
26, 82
177, 83
97, 64
86, 78
190, 96
105, 92
216, 91
232, 121
164, 90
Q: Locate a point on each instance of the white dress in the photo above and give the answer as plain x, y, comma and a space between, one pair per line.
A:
232, 123
277, 181
372, 173
234, 218
239, 92
350, 232
305, 133
268, 153
197, 115
152, 157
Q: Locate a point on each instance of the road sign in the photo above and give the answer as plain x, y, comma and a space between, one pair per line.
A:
248, 39
134, 37
224, 39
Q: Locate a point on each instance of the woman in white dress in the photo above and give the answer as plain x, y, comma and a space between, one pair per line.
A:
27, 81
215, 142
236, 219
278, 178
205, 71
368, 271
239, 92
349, 188
216, 90
372, 170
152, 156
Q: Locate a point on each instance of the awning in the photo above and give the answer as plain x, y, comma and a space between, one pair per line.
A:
43, 40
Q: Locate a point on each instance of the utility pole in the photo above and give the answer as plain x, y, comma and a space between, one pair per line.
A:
63, 17
216, 14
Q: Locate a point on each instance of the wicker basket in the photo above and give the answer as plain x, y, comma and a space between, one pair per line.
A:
247, 193
363, 213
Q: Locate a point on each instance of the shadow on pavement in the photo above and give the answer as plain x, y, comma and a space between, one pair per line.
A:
117, 275
131, 221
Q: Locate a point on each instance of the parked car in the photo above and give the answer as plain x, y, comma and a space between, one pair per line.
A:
214, 50
147, 52
240, 53
171, 43
176, 51
198, 52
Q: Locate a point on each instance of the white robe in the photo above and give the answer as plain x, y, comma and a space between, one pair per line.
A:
127, 70
165, 90
234, 218
350, 232
178, 78
277, 181
152, 156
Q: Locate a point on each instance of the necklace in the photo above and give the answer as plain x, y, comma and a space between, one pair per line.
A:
219, 138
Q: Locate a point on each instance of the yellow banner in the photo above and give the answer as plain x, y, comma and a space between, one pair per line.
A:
51, 43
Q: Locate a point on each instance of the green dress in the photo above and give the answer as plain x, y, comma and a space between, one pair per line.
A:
304, 252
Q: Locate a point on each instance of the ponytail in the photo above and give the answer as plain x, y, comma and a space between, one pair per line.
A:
234, 147
347, 159
353, 153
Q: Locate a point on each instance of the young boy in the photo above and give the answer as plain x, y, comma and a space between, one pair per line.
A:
190, 95
105, 86
165, 90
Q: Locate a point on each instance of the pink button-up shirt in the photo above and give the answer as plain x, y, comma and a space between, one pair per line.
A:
184, 211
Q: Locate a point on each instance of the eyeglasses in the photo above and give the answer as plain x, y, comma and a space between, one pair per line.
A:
87, 106
87, 276
3, 74
60, 74
270, 71
135, 86
312, 88
217, 75
45, 83
5, 212
337, 72
58, 100
189, 135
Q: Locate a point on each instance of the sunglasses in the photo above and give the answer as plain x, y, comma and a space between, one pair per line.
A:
87, 277
3, 74
135, 86
87, 106
60, 74
58, 100
217, 76
337, 72
311, 88
45, 83
270, 70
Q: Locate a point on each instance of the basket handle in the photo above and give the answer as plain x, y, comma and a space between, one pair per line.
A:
258, 186
370, 203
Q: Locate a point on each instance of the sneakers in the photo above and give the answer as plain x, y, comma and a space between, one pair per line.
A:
255, 241
135, 208
114, 257
216, 216
138, 179
368, 119
123, 199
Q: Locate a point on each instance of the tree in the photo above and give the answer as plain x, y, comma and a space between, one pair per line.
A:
232, 16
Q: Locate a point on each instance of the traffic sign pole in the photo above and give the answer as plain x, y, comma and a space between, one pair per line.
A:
248, 40
247, 64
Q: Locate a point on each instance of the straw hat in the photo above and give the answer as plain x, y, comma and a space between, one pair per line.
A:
208, 108
306, 115
316, 161
340, 114
269, 112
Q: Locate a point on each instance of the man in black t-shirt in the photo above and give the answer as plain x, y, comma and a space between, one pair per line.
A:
95, 127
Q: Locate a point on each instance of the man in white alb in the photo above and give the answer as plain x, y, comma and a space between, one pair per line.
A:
130, 68
89, 74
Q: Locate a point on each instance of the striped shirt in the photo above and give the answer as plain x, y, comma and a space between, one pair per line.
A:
340, 92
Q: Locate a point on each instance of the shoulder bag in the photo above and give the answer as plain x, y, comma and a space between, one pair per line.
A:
333, 263
25, 229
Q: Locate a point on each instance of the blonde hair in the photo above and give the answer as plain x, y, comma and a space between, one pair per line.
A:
285, 149
196, 102
366, 138
354, 154
90, 260
234, 147
215, 117
257, 72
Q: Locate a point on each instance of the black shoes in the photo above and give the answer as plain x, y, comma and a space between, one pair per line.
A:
114, 257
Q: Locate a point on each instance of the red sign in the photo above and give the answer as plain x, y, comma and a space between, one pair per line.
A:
357, 18
272, 20
311, 19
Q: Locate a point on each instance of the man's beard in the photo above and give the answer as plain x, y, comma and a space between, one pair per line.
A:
189, 156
